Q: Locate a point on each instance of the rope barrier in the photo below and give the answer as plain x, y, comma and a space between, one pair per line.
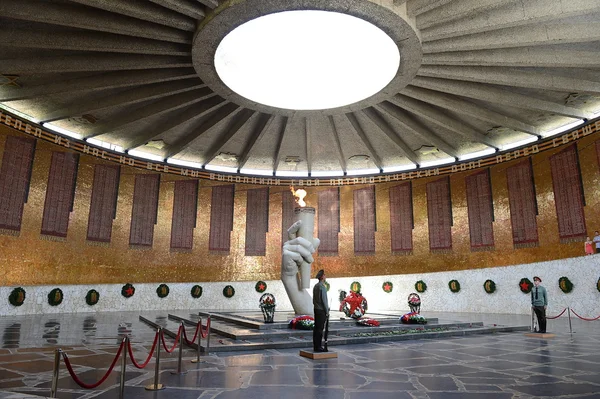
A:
207, 329
556, 317
136, 364
92, 386
585, 318
190, 342
162, 337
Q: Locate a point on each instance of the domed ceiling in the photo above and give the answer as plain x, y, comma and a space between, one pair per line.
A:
474, 77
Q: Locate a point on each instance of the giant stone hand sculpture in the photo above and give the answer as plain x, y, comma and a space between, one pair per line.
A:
296, 263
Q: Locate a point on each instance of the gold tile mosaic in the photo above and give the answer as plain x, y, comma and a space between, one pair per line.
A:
28, 260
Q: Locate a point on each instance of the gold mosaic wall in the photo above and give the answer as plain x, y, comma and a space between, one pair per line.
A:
28, 260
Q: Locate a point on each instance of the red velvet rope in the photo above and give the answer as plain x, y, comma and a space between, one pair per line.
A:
136, 364
92, 386
585, 318
556, 317
207, 329
162, 337
195, 335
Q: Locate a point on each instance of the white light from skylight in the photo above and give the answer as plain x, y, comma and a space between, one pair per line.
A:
437, 162
257, 172
19, 113
217, 168
562, 129
145, 155
60, 130
359, 172
519, 143
291, 173
104, 144
181, 162
307, 60
399, 168
477, 154
327, 173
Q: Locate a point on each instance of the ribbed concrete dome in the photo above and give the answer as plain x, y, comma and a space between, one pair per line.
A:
475, 75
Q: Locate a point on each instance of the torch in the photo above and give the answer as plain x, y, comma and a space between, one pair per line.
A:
307, 216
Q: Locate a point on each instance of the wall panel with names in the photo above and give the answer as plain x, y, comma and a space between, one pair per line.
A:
568, 194
15, 174
103, 205
523, 204
221, 219
401, 219
257, 221
439, 215
185, 208
145, 211
60, 194
480, 208
329, 221
365, 221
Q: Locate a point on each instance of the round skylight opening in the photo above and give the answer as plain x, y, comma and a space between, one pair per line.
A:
307, 60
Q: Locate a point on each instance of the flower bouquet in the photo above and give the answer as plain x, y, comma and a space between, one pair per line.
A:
302, 323
267, 307
413, 318
366, 321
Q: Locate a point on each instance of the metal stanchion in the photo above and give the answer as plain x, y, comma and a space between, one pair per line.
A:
54, 387
532, 321
156, 386
197, 359
180, 357
123, 368
207, 334
570, 326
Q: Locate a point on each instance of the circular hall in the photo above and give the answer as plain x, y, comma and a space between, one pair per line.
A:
179, 178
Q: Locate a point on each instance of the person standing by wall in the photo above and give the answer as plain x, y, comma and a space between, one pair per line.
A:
321, 309
597, 241
539, 303
589, 246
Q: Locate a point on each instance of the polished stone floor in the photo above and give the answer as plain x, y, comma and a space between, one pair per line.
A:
501, 365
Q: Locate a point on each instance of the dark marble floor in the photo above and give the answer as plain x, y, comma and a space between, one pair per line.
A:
501, 365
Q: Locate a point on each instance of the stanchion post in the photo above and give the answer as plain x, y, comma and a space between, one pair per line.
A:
207, 334
570, 326
156, 386
180, 357
123, 368
199, 327
54, 387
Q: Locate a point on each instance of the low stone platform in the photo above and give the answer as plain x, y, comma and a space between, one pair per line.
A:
318, 355
246, 331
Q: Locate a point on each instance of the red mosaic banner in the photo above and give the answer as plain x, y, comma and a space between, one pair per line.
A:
185, 209
523, 204
103, 205
15, 173
365, 221
401, 219
257, 221
287, 214
568, 195
439, 215
480, 207
60, 194
221, 219
329, 221
145, 211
